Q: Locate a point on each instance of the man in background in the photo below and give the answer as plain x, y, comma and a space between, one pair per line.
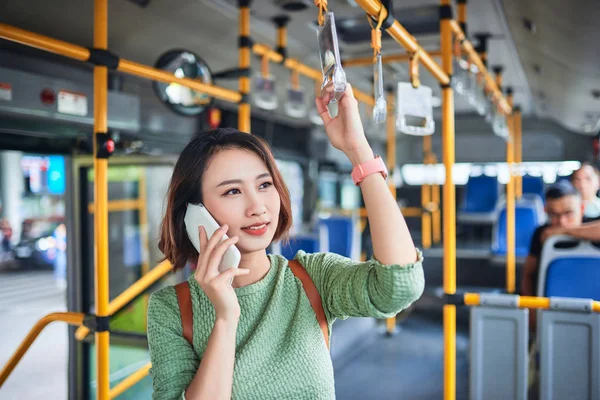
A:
564, 206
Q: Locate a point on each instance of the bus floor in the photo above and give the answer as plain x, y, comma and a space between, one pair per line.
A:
407, 365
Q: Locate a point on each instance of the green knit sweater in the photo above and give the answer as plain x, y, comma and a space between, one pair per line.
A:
280, 349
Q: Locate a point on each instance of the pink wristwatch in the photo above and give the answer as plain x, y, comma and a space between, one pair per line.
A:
365, 169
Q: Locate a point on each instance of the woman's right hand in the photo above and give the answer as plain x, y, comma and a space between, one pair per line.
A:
217, 285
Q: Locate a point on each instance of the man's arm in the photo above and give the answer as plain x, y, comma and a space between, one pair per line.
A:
588, 231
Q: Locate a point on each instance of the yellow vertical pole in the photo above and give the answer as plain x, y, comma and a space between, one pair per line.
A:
518, 150
391, 163
449, 205
426, 199
436, 215
143, 216
510, 205
143, 210
101, 202
244, 115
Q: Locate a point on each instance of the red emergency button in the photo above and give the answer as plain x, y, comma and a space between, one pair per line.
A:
47, 96
110, 145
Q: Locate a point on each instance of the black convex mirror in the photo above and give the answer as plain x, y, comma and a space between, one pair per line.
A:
183, 100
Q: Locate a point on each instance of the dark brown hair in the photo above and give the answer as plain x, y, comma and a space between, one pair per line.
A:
186, 187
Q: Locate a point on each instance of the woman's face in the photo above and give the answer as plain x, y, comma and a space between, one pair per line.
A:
238, 190
586, 182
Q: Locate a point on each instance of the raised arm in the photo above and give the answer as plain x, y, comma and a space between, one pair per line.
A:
392, 242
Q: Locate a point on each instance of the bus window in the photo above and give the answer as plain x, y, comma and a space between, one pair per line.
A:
294, 180
327, 190
350, 195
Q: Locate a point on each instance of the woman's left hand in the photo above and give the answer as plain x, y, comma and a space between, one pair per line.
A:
345, 131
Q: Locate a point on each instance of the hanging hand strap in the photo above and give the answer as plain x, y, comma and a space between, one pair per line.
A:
184, 298
414, 68
264, 66
322, 5
457, 48
295, 79
313, 296
376, 32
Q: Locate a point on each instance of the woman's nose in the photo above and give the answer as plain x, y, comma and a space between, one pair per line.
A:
256, 206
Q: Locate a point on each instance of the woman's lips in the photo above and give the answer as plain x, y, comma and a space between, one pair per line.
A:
256, 230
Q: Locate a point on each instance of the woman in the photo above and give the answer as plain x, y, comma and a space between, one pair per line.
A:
259, 339
587, 182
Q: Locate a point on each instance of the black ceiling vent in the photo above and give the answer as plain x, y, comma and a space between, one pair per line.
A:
141, 3
293, 5
423, 20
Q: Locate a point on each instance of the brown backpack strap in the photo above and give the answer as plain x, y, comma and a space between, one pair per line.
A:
184, 298
313, 296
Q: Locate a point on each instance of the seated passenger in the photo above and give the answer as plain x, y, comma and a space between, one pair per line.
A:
565, 212
587, 182
259, 337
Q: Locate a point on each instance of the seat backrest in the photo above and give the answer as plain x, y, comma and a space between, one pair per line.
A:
340, 234
309, 244
481, 194
537, 202
533, 184
569, 268
526, 221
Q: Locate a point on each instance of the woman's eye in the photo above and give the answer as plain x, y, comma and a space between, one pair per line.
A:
232, 191
265, 185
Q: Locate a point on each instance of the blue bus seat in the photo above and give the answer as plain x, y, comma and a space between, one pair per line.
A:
534, 185
526, 221
307, 243
569, 271
340, 232
481, 196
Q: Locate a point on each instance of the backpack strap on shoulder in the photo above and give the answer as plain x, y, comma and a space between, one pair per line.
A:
313, 296
184, 298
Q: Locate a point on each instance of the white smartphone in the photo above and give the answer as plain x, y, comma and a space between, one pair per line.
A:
197, 215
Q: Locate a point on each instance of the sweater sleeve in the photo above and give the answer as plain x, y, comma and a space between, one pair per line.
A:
174, 361
363, 289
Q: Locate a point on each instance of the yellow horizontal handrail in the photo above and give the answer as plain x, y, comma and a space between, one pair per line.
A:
368, 61
295, 65
70, 318
131, 380
543, 303
82, 54
476, 59
45, 43
144, 71
120, 205
362, 212
131, 293
401, 35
